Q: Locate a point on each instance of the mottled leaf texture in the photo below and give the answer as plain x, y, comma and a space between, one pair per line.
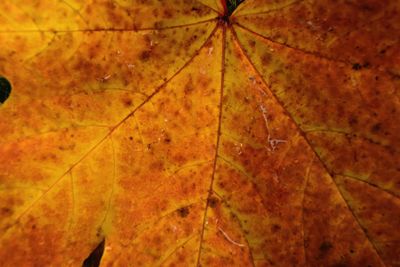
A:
200, 133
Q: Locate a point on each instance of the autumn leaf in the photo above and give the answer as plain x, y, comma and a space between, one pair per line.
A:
199, 133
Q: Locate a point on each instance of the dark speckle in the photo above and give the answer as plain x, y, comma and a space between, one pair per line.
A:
127, 102
325, 247
266, 59
252, 43
376, 128
353, 121
366, 65
275, 228
212, 202
183, 212
145, 55
6, 211
357, 66
189, 87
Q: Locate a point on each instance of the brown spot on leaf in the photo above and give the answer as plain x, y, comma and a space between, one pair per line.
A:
213, 202
189, 87
145, 55
266, 59
376, 128
353, 121
325, 247
183, 212
252, 43
356, 66
275, 228
6, 211
127, 102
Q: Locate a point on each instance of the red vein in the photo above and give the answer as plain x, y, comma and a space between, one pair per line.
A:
158, 89
151, 222
217, 144
226, 202
244, 235
311, 53
50, 43
147, 225
113, 29
271, 10
213, 9
345, 133
359, 179
76, 11
181, 245
309, 144
314, 54
248, 176
370, 183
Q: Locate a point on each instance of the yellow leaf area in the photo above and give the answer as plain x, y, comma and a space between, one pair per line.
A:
173, 134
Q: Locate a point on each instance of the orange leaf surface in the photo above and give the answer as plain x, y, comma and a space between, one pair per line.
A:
170, 133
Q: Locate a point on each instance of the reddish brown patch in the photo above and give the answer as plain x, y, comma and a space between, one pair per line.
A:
145, 55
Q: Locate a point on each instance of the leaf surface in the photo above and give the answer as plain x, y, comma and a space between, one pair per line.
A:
151, 133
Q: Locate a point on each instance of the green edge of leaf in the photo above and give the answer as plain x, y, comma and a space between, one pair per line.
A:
233, 4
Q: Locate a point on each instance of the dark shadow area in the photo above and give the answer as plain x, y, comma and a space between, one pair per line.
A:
5, 89
93, 260
232, 5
